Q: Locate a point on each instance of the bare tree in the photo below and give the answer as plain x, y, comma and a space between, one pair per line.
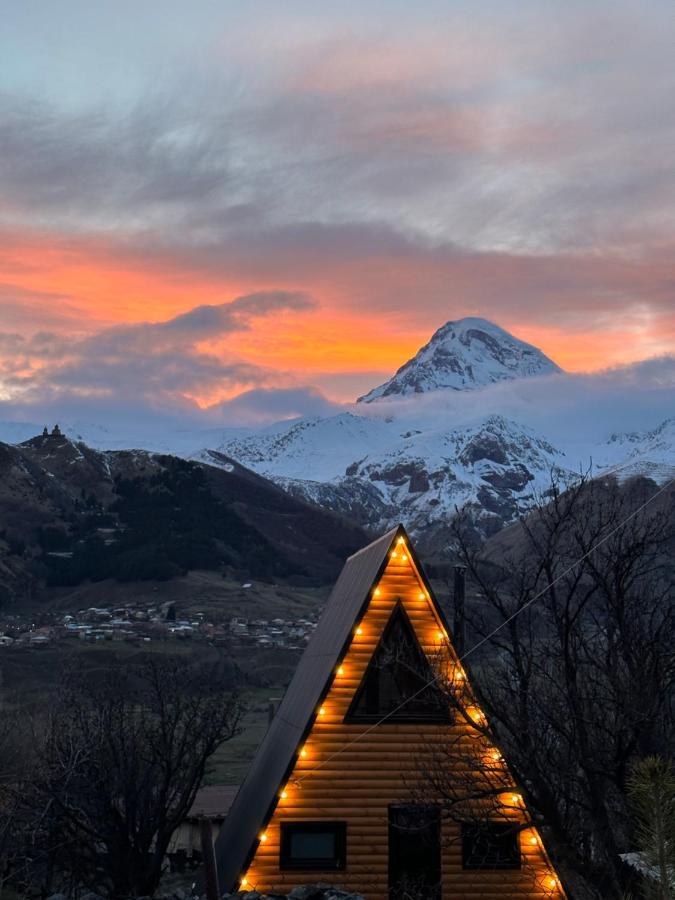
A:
122, 764
576, 685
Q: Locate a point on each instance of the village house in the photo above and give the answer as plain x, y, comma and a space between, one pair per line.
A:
333, 793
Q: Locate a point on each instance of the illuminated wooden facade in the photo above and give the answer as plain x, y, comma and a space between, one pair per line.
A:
333, 782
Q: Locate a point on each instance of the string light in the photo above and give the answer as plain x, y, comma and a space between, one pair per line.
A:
377, 592
394, 554
440, 635
283, 795
421, 596
404, 557
322, 711
341, 671
303, 753
359, 630
516, 798
263, 838
244, 881
534, 840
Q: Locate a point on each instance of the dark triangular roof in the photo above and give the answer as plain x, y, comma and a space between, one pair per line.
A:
276, 756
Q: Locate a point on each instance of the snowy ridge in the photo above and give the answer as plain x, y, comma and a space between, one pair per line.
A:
464, 355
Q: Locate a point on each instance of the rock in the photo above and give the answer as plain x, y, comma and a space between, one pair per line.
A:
309, 892
514, 479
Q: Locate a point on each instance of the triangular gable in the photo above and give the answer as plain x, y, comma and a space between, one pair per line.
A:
399, 679
361, 611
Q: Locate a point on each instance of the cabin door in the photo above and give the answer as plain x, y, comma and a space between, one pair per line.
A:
414, 853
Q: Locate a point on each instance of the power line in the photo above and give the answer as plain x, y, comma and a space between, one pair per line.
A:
489, 636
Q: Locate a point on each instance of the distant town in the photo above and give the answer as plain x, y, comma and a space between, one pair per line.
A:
138, 625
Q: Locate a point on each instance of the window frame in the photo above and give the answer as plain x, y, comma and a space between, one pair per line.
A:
337, 863
507, 830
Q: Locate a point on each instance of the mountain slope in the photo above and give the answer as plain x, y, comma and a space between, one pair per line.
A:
69, 513
464, 355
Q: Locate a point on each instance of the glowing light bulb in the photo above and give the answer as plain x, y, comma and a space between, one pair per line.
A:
394, 554
322, 711
377, 592
534, 841
303, 753
341, 671
284, 795
243, 882
359, 630
552, 883
263, 838
516, 798
496, 756
421, 596
401, 540
404, 557
440, 635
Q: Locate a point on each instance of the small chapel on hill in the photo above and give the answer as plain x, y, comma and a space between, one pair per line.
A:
339, 790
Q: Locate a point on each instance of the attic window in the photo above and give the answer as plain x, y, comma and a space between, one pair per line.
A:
398, 673
490, 845
315, 846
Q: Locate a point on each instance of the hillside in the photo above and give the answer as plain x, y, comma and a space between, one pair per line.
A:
71, 514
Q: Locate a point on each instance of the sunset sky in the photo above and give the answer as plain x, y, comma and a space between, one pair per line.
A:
286, 199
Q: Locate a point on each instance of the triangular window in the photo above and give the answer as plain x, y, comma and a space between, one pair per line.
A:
398, 675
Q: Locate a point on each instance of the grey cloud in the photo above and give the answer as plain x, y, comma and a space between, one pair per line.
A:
156, 361
264, 405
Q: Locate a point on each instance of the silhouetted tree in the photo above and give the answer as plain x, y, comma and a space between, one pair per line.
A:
122, 763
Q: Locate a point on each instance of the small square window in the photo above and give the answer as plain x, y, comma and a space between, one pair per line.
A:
491, 845
317, 846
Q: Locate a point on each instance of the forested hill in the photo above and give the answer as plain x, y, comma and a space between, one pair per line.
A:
69, 513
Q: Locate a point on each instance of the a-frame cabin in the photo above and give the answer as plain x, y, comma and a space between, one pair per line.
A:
330, 795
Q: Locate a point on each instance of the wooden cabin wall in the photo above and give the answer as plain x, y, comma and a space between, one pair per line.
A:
358, 785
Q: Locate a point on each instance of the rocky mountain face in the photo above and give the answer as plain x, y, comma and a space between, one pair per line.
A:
69, 513
422, 476
464, 355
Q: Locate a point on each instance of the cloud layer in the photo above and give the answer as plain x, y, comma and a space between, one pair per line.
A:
154, 363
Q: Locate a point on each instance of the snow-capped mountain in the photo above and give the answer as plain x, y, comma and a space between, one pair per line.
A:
324, 447
464, 355
377, 473
469, 429
650, 453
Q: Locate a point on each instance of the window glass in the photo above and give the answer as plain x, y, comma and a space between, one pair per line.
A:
313, 845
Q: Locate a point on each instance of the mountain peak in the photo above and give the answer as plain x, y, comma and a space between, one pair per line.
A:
464, 355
